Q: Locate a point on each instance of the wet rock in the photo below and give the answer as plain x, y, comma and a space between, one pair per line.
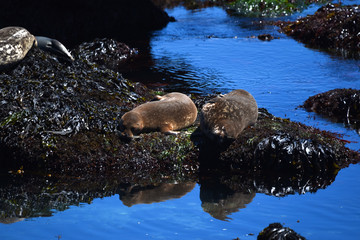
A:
105, 52
45, 100
265, 37
73, 22
281, 146
340, 105
276, 231
332, 26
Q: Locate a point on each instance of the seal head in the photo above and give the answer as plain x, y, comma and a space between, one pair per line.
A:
53, 46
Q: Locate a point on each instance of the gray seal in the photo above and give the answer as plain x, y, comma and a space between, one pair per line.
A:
171, 112
15, 43
225, 117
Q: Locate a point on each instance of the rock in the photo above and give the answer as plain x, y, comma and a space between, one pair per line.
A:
340, 105
276, 231
332, 26
106, 52
279, 145
74, 21
44, 101
265, 37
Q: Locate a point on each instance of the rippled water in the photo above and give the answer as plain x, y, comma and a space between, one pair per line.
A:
209, 51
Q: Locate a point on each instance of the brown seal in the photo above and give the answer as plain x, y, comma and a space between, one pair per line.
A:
172, 112
225, 117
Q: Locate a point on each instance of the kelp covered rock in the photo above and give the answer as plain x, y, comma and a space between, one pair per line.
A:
340, 105
62, 118
281, 146
276, 231
105, 52
332, 26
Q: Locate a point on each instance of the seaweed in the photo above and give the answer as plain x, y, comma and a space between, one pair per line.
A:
339, 105
334, 27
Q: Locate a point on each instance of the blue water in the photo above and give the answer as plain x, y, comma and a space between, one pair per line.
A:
209, 51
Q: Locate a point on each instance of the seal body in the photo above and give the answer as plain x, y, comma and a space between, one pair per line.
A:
15, 42
225, 117
169, 113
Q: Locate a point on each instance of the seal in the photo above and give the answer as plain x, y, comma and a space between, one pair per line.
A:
15, 43
169, 113
225, 117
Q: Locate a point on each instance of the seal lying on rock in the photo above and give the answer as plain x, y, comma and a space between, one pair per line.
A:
15, 43
172, 112
225, 117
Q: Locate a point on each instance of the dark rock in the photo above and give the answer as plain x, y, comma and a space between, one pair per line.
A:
265, 37
279, 145
75, 21
340, 105
276, 231
332, 26
106, 52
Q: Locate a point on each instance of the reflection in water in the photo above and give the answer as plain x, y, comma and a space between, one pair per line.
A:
11, 220
220, 201
24, 197
133, 195
220, 194
225, 193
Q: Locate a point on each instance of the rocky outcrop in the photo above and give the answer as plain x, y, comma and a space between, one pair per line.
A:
332, 26
59, 124
280, 145
63, 117
276, 231
340, 105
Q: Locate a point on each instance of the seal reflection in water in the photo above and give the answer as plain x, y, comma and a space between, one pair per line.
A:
171, 112
225, 117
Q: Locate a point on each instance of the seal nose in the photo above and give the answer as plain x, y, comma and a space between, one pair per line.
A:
128, 133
